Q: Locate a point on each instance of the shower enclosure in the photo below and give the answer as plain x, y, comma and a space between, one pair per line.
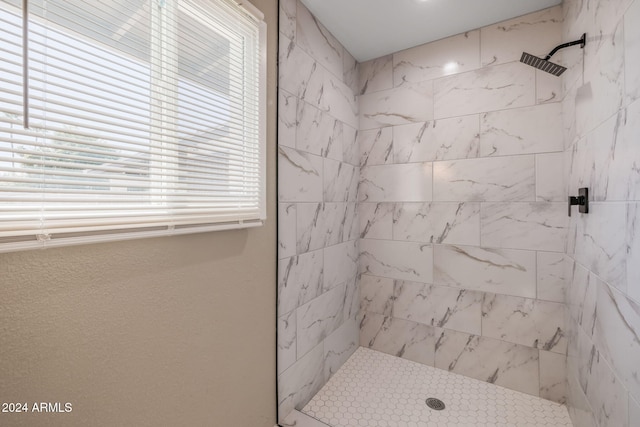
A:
423, 208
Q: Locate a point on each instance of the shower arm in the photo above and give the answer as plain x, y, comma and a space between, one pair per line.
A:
581, 42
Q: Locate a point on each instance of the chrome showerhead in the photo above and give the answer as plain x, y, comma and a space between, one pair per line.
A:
544, 64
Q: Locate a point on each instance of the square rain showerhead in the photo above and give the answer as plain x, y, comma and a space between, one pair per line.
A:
542, 64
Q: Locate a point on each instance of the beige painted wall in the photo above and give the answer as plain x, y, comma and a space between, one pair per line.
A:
175, 331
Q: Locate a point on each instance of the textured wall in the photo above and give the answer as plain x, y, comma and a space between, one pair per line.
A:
318, 227
173, 331
461, 205
602, 132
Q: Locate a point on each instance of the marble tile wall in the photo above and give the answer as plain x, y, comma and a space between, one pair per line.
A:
462, 215
601, 127
319, 169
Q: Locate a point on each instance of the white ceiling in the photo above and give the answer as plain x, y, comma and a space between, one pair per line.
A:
372, 28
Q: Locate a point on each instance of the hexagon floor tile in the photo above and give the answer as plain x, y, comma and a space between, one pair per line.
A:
374, 389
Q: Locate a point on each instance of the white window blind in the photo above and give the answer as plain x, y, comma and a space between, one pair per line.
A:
138, 118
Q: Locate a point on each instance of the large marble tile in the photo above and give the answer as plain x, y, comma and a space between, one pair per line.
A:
318, 133
298, 419
632, 52
298, 384
340, 345
446, 139
607, 395
581, 298
397, 260
338, 99
340, 181
525, 321
550, 177
398, 337
633, 250
553, 376
286, 230
536, 33
350, 71
526, 130
300, 279
444, 57
350, 148
617, 335
488, 89
298, 73
598, 241
287, 109
376, 146
550, 276
317, 41
535, 226
503, 271
286, 341
440, 306
509, 365
487, 179
352, 300
376, 220
396, 183
299, 176
548, 88
634, 411
287, 18
322, 224
437, 222
351, 224
579, 408
376, 294
375, 75
319, 318
406, 104
340, 263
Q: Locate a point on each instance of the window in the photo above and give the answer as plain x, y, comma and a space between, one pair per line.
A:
129, 118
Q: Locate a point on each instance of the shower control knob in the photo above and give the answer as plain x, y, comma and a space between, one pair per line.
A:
582, 201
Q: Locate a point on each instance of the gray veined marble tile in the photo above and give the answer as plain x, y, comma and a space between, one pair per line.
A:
338, 98
578, 405
376, 75
350, 71
550, 276
550, 177
487, 179
553, 376
319, 318
300, 279
286, 341
633, 250
509, 365
350, 147
286, 230
376, 294
351, 310
287, 107
299, 74
376, 146
339, 346
437, 222
503, 86
632, 52
402, 105
617, 335
298, 384
439, 306
444, 57
320, 224
397, 260
287, 18
581, 298
396, 183
526, 130
316, 40
340, 181
318, 133
536, 33
351, 222
398, 337
634, 411
525, 321
299, 176
503, 271
598, 241
446, 139
607, 394
376, 220
340, 263
535, 226
548, 88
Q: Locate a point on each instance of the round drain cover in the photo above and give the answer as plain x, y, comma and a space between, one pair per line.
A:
434, 403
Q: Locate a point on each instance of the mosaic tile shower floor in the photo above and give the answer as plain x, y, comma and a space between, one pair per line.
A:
373, 389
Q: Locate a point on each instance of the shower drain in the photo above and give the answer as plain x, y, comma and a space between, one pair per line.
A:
434, 403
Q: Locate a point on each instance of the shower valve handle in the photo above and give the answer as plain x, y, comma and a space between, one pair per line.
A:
582, 201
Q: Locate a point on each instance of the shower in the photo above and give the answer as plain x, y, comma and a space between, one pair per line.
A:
545, 64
